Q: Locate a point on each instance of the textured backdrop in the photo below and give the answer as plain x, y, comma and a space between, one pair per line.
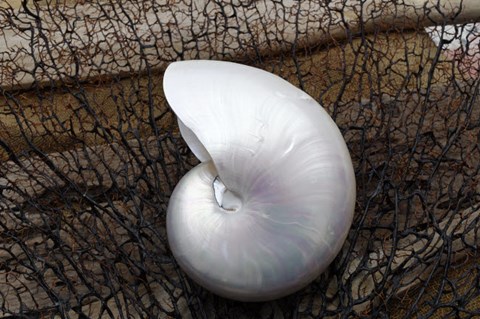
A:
91, 152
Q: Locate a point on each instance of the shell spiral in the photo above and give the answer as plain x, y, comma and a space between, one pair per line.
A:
270, 205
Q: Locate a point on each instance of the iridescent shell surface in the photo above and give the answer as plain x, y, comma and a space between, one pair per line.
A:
271, 204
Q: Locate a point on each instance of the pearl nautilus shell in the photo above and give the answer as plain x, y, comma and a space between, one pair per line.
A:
270, 204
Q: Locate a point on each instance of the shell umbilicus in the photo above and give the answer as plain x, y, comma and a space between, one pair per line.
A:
270, 206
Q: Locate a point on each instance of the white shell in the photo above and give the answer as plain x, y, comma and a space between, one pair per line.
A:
276, 162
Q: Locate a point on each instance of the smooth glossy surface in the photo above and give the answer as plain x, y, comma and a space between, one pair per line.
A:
270, 206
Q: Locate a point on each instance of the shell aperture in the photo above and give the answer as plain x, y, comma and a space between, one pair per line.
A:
270, 206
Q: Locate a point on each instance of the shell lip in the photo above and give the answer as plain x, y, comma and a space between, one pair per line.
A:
227, 200
175, 75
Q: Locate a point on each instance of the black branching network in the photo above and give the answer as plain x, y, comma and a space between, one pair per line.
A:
90, 151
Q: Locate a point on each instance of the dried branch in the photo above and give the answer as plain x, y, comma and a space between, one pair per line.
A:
64, 43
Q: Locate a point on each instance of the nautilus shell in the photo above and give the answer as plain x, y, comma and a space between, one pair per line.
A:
270, 204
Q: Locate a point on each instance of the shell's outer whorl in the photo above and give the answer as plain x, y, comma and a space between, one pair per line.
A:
282, 154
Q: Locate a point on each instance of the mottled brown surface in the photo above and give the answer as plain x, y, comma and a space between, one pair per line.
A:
126, 119
80, 40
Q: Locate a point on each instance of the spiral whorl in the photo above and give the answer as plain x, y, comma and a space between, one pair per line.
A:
270, 205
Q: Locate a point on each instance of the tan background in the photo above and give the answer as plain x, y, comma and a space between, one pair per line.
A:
321, 76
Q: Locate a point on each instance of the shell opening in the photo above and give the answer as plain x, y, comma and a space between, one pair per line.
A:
225, 198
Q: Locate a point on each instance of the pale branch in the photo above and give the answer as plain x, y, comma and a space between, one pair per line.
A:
70, 43
415, 256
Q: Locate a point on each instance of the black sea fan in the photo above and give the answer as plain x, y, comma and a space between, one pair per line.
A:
91, 151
